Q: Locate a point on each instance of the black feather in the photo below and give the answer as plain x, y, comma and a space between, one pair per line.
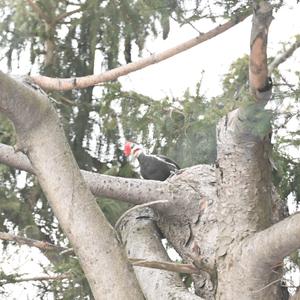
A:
156, 167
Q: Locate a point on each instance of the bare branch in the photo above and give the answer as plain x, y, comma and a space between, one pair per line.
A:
273, 244
258, 68
66, 14
17, 160
124, 189
64, 84
284, 56
141, 239
268, 285
164, 265
65, 100
41, 278
30, 242
168, 266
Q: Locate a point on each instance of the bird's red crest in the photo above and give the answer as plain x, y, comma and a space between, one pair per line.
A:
127, 149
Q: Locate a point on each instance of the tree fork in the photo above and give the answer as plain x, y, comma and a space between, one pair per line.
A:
244, 177
142, 239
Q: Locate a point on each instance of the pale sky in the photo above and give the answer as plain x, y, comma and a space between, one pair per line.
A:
174, 75
171, 77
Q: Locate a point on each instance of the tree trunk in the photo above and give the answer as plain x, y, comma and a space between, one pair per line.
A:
41, 137
244, 208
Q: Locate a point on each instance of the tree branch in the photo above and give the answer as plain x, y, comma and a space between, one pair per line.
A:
39, 11
30, 242
15, 279
284, 56
273, 244
164, 265
161, 265
141, 239
40, 135
258, 68
17, 160
64, 84
123, 189
66, 14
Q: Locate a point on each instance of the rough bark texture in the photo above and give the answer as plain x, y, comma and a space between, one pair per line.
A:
192, 231
142, 239
244, 206
41, 137
220, 218
135, 191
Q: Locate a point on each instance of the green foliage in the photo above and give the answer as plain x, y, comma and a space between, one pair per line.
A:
96, 126
112, 209
255, 120
286, 177
174, 127
75, 287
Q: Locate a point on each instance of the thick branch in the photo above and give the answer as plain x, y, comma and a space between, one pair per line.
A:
17, 160
123, 189
30, 242
273, 244
141, 239
284, 56
136, 191
41, 137
258, 68
64, 84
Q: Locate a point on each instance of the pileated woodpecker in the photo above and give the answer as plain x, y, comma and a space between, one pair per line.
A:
154, 167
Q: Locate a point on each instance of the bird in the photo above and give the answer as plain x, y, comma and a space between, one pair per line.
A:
152, 167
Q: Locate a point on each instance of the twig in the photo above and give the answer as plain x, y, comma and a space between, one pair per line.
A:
67, 251
284, 56
266, 286
65, 100
63, 84
291, 86
187, 22
66, 14
167, 266
30, 242
41, 278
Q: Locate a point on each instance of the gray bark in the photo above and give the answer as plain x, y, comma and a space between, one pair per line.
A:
205, 226
41, 137
123, 189
142, 239
244, 207
220, 219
